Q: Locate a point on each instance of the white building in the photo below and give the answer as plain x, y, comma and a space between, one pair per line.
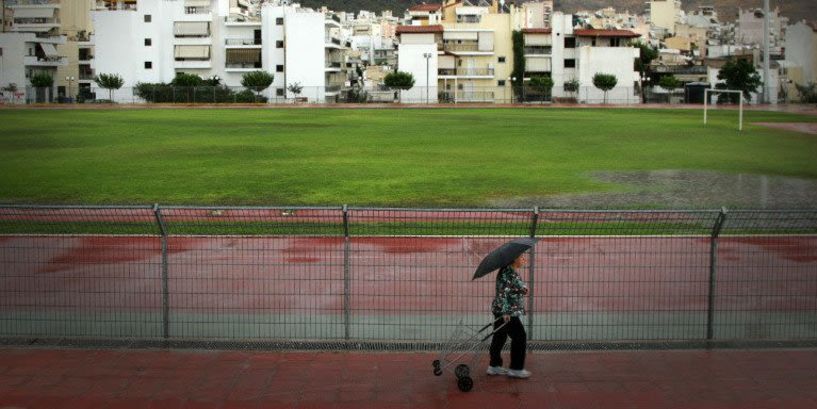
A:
567, 54
59, 48
154, 40
23, 55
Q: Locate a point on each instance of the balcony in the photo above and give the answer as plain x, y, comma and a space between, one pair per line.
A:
332, 89
241, 67
538, 50
242, 43
193, 64
465, 47
36, 25
241, 20
333, 42
333, 66
86, 75
34, 61
466, 73
30, 3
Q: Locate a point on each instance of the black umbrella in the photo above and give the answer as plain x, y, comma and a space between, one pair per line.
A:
503, 255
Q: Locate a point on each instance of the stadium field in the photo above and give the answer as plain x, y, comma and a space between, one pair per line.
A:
380, 157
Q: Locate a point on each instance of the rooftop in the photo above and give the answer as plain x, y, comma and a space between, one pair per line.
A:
419, 29
605, 33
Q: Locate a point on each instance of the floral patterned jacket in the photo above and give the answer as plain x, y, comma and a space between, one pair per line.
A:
510, 293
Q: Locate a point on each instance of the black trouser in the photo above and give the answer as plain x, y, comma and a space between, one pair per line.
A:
519, 341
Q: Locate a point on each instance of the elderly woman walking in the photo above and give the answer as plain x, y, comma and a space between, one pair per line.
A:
507, 307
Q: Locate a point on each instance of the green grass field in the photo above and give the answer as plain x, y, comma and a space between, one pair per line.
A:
410, 157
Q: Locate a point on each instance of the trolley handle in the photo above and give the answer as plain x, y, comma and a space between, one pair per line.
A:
495, 330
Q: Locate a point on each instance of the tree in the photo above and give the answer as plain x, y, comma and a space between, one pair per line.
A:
646, 56
109, 82
543, 84
257, 80
295, 88
605, 82
399, 80
669, 83
739, 75
186, 80
518, 74
41, 81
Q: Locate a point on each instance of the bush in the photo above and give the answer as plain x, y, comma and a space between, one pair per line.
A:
808, 93
41, 80
399, 80
247, 96
257, 80
166, 93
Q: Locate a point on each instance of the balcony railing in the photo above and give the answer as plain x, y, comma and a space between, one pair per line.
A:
37, 20
466, 96
538, 50
196, 10
334, 64
10, 3
466, 72
86, 76
332, 40
242, 41
333, 88
44, 61
461, 46
238, 65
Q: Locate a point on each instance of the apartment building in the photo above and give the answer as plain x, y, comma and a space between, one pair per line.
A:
664, 14
151, 41
59, 45
567, 54
465, 58
800, 66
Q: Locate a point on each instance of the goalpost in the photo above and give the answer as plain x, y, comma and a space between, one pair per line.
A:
708, 91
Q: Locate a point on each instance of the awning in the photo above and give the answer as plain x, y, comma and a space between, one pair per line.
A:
197, 3
49, 50
243, 56
191, 28
193, 51
34, 12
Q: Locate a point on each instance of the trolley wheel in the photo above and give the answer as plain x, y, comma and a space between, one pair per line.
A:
462, 371
465, 383
438, 371
436, 363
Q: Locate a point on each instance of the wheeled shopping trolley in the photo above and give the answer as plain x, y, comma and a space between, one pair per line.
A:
462, 350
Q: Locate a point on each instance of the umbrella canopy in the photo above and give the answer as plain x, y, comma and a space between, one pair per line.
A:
503, 255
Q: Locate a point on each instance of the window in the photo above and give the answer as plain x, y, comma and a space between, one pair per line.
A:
571, 63
279, 21
147, 18
501, 60
279, 44
500, 83
279, 68
148, 65
570, 42
279, 92
148, 42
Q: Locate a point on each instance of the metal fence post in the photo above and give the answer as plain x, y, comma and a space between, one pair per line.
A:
534, 221
165, 292
713, 269
346, 273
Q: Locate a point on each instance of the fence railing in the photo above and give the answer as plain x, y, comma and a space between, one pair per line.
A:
374, 274
503, 93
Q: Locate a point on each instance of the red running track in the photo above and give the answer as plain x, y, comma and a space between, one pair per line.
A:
173, 379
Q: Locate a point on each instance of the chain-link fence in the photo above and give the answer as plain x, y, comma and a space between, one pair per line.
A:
448, 93
339, 274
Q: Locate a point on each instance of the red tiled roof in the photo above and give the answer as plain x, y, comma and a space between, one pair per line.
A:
426, 7
536, 31
605, 33
419, 29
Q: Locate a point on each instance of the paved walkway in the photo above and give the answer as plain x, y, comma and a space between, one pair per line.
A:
170, 379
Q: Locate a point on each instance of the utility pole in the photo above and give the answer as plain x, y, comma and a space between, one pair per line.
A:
767, 80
